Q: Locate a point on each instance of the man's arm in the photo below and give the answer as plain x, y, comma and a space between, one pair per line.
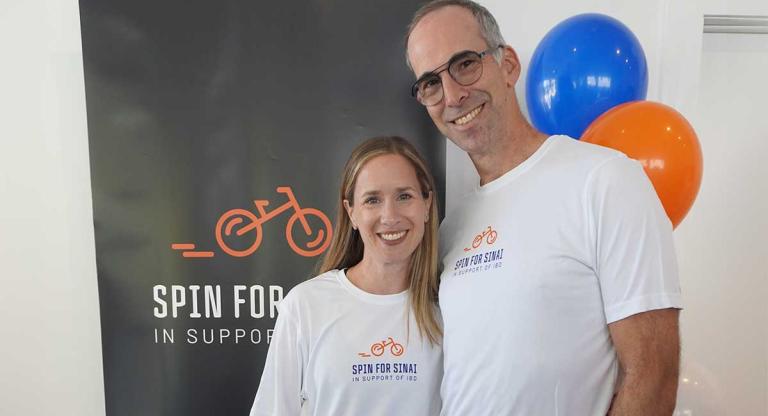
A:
648, 348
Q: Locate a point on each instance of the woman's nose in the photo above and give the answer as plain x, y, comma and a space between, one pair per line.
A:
389, 213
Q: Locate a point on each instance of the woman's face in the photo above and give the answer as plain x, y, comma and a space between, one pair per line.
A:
388, 210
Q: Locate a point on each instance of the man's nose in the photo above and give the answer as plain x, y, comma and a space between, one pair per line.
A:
453, 92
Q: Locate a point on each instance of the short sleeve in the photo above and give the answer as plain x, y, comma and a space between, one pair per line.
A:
280, 389
633, 245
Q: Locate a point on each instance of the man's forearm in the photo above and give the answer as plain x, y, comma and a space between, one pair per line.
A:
648, 349
647, 393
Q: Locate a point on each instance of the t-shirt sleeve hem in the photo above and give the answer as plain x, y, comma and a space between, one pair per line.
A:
643, 304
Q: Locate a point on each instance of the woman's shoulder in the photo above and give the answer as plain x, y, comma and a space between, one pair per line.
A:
316, 289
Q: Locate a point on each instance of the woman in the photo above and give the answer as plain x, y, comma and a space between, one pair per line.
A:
362, 338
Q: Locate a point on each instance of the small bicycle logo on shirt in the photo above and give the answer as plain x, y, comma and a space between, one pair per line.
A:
239, 231
378, 348
489, 235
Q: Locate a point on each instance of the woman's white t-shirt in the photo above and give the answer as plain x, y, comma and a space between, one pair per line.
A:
337, 350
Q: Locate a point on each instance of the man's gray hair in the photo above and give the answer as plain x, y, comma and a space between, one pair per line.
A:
489, 29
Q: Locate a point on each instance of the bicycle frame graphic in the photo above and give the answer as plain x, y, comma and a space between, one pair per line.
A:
378, 348
239, 222
489, 234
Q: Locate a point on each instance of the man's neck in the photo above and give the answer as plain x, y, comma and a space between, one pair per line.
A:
519, 145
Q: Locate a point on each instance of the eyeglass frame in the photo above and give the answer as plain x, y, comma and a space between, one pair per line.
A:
436, 72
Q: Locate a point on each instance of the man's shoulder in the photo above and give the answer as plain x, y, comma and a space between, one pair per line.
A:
573, 163
582, 152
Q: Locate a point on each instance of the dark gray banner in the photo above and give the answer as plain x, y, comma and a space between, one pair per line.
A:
217, 133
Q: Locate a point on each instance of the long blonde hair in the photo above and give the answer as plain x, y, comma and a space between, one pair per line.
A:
346, 249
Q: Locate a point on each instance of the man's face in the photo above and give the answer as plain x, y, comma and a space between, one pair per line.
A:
472, 116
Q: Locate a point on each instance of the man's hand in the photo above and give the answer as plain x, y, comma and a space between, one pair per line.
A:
648, 348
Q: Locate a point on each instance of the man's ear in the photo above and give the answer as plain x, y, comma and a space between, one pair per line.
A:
510, 65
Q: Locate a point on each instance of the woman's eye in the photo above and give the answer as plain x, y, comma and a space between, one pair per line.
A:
371, 200
404, 197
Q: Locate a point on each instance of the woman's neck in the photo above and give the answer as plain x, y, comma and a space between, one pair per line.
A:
379, 278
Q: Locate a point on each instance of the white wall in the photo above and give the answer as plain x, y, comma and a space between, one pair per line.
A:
723, 244
735, 7
50, 348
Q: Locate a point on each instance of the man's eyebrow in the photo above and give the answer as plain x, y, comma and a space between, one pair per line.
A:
426, 74
432, 72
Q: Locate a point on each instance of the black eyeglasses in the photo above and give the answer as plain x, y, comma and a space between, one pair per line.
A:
465, 68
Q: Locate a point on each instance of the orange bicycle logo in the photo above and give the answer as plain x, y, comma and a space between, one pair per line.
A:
247, 227
489, 235
378, 348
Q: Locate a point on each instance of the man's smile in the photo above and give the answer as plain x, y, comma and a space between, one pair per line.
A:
466, 118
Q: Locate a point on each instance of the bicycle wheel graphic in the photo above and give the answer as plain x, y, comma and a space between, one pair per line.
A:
491, 237
232, 223
377, 349
318, 239
396, 349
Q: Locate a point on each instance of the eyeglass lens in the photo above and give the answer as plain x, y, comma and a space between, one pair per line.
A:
464, 69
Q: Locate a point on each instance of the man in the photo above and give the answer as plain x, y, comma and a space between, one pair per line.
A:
559, 289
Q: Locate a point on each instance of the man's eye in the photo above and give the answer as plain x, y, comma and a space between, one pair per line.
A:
466, 63
430, 83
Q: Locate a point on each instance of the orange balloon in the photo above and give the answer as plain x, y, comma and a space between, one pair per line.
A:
663, 141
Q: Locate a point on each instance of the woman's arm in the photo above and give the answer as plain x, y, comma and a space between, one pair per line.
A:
280, 390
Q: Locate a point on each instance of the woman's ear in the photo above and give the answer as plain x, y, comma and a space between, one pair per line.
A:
348, 208
428, 200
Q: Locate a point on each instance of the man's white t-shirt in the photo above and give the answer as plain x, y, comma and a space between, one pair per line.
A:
535, 265
338, 350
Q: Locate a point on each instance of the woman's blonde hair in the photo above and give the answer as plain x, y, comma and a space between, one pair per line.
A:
346, 249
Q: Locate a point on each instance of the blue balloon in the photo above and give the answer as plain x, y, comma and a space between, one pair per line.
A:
584, 66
